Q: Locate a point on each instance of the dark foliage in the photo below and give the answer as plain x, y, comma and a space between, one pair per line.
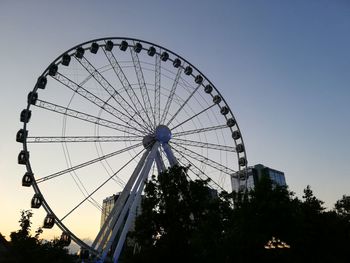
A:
182, 221
25, 248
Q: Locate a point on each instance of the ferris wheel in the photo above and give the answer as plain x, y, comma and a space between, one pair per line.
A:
107, 114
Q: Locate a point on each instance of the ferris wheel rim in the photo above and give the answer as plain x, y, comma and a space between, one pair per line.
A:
57, 62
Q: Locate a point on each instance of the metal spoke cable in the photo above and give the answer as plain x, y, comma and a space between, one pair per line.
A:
100, 153
77, 180
200, 130
101, 185
203, 159
103, 104
157, 79
212, 146
102, 70
142, 84
127, 87
83, 116
183, 105
193, 116
73, 174
101, 80
68, 139
171, 95
79, 166
199, 171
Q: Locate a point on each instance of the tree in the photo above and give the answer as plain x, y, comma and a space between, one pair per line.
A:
25, 248
311, 202
342, 207
181, 221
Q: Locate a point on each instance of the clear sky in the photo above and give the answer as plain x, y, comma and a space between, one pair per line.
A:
283, 67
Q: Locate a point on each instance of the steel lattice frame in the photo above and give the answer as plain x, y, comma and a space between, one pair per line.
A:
127, 91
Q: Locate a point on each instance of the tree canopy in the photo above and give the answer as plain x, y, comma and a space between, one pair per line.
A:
184, 220
26, 248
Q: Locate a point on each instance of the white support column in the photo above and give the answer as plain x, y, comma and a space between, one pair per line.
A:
108, 225
169, 154
117, 221
132, 212
159, 163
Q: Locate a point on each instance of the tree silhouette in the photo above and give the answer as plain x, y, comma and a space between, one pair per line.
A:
342, 207
181, 221
25, 248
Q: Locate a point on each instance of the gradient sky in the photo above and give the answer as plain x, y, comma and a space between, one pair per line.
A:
282, 66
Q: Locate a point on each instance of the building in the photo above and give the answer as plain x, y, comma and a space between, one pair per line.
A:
107, 206
254, 174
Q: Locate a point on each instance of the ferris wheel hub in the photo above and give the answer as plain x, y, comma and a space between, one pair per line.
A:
163, 134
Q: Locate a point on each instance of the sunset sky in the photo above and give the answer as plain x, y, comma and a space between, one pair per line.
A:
282, 66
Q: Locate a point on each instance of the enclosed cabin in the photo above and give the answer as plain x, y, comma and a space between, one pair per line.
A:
164, 56
188, 70
36, 201
21, 135
23, 157
53, 70
224, 110
176, 63
41, 82
94, 48
49, 221
25, 115
231, 122
208, 89
65, 239
66, 60
198, 79
27, 179
138, 47
151, 51
123, 45
109, 45
79, 52
32, 97
216, 99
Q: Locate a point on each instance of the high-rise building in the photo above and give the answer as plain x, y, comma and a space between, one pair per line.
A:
254, 174
107, 206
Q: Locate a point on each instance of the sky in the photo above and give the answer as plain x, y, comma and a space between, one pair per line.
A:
282, 66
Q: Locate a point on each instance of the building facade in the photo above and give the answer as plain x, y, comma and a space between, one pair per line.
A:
253, 174
107, 206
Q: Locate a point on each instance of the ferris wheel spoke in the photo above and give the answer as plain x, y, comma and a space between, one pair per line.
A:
201, 130
203, 159
142, 84
138, 107
100, 79
194, 116
90, 162
85, 117
101, 185
171, 95
157, 80
196, 170
183, 104
68, 139
204, 145
104, 105
101, 69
